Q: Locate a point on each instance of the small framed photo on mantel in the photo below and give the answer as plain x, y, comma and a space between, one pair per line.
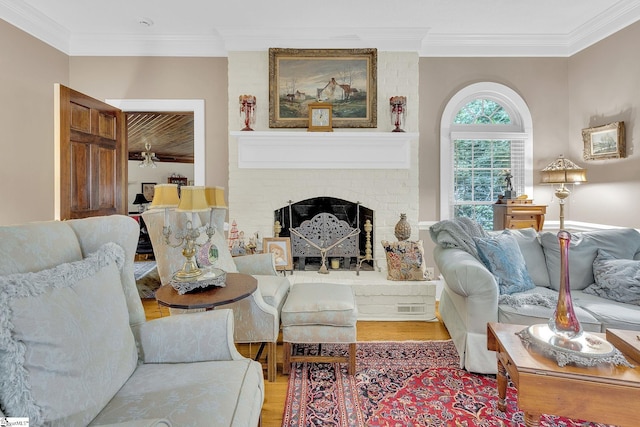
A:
604, 142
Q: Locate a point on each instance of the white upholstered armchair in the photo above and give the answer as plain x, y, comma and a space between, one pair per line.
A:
256, 318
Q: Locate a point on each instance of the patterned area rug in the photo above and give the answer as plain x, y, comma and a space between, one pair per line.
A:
147, 279
413, 383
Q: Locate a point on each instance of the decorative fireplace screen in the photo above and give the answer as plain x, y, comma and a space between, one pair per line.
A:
324, 235
325, 227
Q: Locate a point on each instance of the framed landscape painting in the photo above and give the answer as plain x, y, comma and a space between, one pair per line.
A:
604, 142
346, 78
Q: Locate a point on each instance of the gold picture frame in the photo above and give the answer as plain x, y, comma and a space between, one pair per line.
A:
320, 117
345, 78
604, 142
281, 248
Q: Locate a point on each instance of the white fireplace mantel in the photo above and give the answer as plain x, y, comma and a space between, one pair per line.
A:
324, 150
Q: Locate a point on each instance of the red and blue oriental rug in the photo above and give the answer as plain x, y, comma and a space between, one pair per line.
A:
400, 384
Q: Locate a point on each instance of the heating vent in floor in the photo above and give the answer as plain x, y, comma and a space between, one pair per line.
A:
411, 308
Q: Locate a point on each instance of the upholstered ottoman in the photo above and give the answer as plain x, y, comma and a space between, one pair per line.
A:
319, 313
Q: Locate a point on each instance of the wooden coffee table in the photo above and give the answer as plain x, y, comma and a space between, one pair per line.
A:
605, 393
238, 286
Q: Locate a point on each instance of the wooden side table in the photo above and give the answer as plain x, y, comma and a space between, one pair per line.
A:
605, 393
238, 286
514, 213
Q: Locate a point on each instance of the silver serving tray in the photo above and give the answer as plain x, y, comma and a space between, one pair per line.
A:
586, 345
209, 277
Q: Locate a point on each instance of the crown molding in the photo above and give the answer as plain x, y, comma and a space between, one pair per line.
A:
469, 45
136, 45
607, 23
35, 23
420, 40
382, 38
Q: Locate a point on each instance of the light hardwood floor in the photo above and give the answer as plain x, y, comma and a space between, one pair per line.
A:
275, 392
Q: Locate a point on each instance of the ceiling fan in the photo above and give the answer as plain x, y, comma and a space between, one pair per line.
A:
148, 157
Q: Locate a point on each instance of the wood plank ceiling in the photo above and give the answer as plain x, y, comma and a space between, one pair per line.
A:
169, 133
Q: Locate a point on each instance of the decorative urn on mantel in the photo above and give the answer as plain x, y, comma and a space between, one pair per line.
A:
403, 228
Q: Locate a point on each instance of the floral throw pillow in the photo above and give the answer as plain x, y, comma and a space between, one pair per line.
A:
405, 260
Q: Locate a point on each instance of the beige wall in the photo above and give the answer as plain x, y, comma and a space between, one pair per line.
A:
28, 70
604, 87
165, 78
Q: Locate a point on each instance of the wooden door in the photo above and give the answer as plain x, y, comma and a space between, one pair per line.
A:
91, 157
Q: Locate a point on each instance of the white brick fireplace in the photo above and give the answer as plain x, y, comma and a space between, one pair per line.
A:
378, 168
269, 169
375, 167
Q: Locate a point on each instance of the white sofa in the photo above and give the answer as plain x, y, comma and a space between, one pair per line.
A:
470, 295
76, 350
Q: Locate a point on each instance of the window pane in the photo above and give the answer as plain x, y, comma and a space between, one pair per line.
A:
482, 111
499, 183
484, 216
482, 154
482, 186
462, 185
463, 153
502, 154
464, 211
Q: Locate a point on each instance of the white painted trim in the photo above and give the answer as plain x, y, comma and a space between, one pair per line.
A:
324, 150
194, 105
572, 226
424, 225
418, 39
517, 108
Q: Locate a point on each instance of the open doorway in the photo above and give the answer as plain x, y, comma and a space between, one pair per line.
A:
192, 106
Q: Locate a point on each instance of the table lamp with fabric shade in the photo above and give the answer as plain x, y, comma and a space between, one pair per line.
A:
192, 199
563, 171
140, 200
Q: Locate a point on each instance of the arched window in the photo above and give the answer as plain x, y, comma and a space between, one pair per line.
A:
485, 133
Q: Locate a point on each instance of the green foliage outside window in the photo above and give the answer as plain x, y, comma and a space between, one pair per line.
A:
479, 165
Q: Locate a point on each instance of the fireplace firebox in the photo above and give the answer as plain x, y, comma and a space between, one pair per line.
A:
327, 228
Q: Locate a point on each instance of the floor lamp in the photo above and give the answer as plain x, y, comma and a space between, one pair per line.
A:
563, 171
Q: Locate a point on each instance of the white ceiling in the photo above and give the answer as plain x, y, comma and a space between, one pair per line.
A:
215, 27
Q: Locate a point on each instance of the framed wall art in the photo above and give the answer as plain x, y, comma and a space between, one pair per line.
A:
604, 142
148, 189
346, 78
281, 248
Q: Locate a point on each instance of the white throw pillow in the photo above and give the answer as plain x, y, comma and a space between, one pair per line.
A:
66, 347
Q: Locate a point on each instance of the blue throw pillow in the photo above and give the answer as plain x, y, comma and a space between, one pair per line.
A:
502, 257
616, 279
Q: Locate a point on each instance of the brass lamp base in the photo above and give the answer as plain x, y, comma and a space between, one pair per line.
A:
189, 271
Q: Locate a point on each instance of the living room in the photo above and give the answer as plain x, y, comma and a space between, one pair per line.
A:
570, 86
